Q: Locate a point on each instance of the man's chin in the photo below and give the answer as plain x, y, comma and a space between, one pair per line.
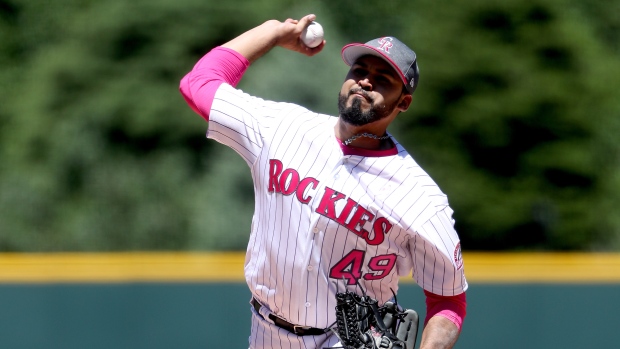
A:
360, 104
356, 111
354, 120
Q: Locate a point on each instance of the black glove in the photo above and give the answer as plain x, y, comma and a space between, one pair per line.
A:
362, 324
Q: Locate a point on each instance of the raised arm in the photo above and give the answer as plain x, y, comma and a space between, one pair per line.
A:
256, 42
228, 63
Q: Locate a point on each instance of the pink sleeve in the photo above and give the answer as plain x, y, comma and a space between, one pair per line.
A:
454, 308
220, 65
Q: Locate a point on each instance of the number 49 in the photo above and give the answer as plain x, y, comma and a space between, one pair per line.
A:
350, 267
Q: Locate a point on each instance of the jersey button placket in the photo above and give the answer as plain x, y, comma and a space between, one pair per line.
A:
338, 168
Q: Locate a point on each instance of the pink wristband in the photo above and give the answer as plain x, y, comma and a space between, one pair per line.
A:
453, 308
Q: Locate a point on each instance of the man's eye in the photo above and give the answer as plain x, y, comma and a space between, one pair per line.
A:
382, 79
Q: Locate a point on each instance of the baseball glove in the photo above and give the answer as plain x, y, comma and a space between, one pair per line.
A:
362, 324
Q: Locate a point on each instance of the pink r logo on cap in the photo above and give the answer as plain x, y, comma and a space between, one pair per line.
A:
385, 44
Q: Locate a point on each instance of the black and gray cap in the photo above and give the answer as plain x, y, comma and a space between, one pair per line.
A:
400, 57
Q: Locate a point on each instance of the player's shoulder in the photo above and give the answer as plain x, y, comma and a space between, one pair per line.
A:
406, 160
276, 111
417, 176
229, 94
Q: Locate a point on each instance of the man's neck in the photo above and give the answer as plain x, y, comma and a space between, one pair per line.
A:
365, 137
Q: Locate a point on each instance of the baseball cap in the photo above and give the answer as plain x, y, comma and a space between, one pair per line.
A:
392, 50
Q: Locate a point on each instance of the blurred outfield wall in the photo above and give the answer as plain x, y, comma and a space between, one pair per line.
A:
185, 300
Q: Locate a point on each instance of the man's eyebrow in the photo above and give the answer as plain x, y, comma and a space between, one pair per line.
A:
361, 64
389, 72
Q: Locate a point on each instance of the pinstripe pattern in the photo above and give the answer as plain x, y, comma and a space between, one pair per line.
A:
303, 248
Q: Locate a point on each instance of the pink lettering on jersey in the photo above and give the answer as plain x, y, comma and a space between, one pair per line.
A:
327, 206
302, 189
360, 217
292, 184
352, 216
275, 168
380, 227
346, 211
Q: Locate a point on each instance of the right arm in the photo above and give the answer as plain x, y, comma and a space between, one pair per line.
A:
254, 43
226, 64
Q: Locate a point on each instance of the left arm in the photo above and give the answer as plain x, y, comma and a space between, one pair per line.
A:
443, 278
439, 333
444, 319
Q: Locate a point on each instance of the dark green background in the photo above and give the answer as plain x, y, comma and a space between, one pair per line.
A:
516, 118
215, 315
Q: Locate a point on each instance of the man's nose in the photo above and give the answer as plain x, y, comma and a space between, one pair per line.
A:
365, 84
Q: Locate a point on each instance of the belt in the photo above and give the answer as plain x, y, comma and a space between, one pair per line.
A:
296, 329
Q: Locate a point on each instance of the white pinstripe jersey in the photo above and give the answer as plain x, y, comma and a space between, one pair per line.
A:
324, 221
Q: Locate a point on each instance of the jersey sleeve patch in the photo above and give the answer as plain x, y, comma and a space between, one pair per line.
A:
458, 257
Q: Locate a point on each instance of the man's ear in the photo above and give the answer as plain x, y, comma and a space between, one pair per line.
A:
405, 102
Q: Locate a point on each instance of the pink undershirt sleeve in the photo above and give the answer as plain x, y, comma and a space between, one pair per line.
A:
220, 65
453, 308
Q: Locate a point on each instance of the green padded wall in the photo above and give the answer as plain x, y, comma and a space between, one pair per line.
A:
216, 315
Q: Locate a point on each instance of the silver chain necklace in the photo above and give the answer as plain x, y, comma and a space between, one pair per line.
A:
365, 134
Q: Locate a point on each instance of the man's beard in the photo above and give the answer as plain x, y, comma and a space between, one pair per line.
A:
354, 115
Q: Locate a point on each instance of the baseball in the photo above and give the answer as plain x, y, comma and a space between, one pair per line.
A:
312, 36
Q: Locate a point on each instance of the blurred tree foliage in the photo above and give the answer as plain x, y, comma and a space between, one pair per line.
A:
516, 118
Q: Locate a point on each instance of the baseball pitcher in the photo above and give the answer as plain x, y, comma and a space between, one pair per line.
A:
342, 211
